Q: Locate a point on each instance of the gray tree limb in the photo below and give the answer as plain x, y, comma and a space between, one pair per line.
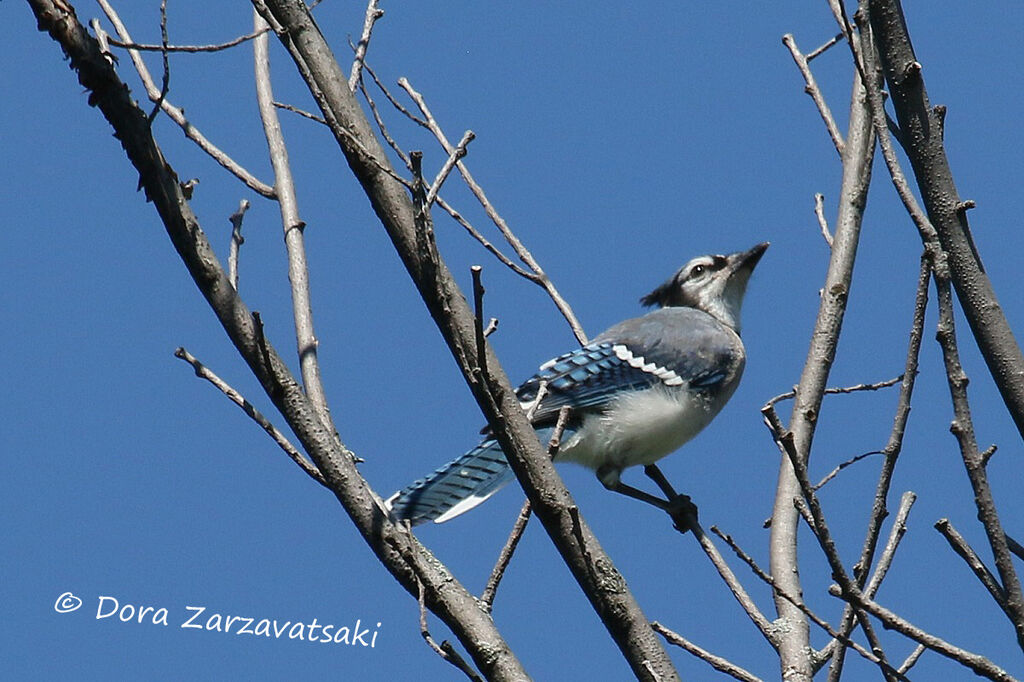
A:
921, 132
794, 649
398, 550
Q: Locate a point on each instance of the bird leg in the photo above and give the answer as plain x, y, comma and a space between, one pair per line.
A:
682, 510
680, 507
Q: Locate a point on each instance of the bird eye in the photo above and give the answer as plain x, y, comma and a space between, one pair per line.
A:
698, 270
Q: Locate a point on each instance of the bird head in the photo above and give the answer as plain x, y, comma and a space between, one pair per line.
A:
715, 284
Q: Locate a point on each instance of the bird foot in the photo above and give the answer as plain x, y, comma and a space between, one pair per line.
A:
683, 512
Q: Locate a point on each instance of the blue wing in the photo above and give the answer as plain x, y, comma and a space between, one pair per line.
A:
584, 379
632, 356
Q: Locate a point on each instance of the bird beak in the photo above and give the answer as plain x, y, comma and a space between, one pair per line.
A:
746, 260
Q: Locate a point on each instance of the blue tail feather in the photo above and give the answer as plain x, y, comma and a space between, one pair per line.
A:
455, 488
458, 486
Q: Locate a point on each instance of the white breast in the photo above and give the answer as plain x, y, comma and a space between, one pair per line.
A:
639, 428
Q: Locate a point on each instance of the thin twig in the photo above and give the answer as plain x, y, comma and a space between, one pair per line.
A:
300, 112
165, 86
391, 98
896, 533
909, 662
456, 155
178, 115
381, 126
519, 527
963, 429
445, 650
204, 372
293, 226
853, 460
187, 48
505, 556
795, 601
977, 663
829, 43
866, 51
819, 211
892, 449
475, 234
373, 13
717, 662
838, 390
236, 241
974, 562
763, 625
1015, 546
521, 251
812, 89
478, 317
456, 216
821, 530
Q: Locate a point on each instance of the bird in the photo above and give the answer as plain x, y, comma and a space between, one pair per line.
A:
636, 393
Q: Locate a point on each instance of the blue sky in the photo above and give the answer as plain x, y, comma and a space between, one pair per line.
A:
618, 140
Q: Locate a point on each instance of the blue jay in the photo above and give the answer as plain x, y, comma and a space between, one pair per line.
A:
636, 393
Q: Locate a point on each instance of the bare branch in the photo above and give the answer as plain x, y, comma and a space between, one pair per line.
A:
204, 372
963, 428
236, 241
922, 134
293, 225
300, 112
812, 89
892, 449
896, 533
766, 627
373, 13
445, 650
881, 124
473, 232
799, 604
826, 45
519, 527
842, 465
899, 528
524, 255
505, 556
717, 662
820, 529
407, 560
478, 314
977, 663
912, 658
165, 86
188, 48
449, 164
839, 390
178, 115
1015, 547
819, 212
857, 156
391, 98
974, 562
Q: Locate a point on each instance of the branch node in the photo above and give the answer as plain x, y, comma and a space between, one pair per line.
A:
965, 206
911, 71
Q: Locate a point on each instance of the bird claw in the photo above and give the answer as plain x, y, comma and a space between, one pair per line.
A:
683, 512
